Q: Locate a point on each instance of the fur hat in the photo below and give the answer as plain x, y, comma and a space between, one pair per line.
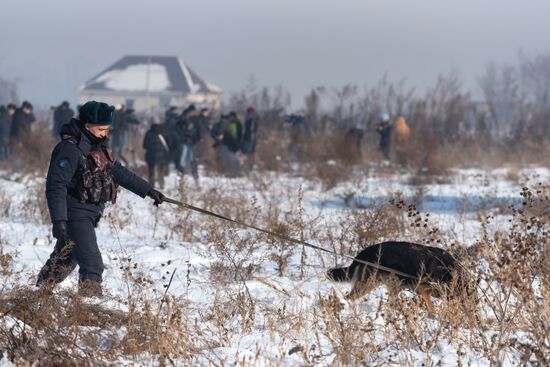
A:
96, 113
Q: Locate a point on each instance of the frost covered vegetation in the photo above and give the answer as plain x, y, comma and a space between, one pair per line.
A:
186, 289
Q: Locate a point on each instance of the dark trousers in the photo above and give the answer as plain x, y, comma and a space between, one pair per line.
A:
160, 169
4, 150
385, 149
85, 253
229, 160
249, 146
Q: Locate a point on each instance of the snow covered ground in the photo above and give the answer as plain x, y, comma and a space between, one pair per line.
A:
139, 240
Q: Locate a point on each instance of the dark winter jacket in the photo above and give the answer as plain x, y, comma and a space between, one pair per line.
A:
230, 132
188, 130
205, 123
123, 120
61, 116
299, 128
251, 126
385, 130
5, 125
157, 145
67, 157
170, 119
355, 134
21, 126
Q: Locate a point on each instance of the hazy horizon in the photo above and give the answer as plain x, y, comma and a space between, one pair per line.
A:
50, 48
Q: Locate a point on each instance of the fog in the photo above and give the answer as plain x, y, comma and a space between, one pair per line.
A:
50, 48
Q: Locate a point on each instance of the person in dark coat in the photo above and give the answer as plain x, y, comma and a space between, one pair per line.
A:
22, 122
385, 128
205, 122
176, 144
189, 134
6, 119
157, 152
355, 135
62, 115
124, 118
250, 135
83, 175
233, 133
299, 136
171, 117
227, 134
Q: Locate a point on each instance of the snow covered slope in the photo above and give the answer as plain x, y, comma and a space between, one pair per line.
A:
253, 300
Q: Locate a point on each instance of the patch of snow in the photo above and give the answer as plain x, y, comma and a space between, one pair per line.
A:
142, 236
212, 87
138, 77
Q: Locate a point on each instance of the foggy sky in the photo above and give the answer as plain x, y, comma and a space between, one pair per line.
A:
52, 47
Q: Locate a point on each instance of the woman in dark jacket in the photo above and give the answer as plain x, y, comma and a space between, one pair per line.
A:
157, 152
83, 176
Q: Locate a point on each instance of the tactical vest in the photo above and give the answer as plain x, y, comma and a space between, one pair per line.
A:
93, 181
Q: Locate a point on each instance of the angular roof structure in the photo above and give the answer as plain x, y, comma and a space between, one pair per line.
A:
150, 74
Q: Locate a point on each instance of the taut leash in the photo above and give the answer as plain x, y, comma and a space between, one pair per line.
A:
284, 237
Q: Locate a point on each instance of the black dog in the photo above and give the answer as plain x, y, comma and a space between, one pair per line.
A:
430, 270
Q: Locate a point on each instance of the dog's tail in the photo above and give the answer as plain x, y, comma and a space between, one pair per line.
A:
339, 274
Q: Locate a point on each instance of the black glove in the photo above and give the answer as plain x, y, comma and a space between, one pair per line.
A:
60, 232
157, 196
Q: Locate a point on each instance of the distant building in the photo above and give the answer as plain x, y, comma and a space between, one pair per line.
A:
150, 84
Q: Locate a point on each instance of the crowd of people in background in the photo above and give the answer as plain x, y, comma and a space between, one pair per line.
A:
173, 140
180, 138
62, 115
125, 120
15, 127
176, 140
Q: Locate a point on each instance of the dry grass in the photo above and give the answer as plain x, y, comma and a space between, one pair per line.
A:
507, 321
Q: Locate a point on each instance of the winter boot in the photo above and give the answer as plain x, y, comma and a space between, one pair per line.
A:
89, 288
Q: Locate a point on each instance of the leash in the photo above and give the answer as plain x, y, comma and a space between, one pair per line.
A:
284, 237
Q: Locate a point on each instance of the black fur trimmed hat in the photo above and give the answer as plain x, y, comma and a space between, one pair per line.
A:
96, 113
